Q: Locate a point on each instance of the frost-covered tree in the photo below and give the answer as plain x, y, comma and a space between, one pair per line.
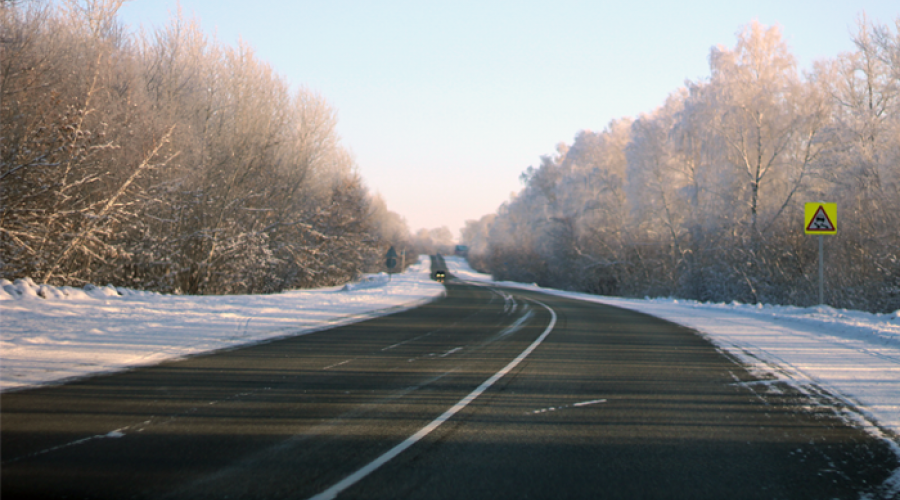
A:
861, 171
703, 197
73, 169
475, 235
757, 91
169, 161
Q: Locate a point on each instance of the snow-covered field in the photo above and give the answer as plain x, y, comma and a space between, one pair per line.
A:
48, 334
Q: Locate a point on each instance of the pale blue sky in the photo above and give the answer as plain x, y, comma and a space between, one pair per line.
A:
444, 104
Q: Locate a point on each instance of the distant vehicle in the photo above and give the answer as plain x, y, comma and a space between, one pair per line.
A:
440, 276
461, 250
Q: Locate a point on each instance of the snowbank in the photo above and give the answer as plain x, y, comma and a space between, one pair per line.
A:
51, 333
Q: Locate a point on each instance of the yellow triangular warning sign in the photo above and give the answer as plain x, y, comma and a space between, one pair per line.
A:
820, 222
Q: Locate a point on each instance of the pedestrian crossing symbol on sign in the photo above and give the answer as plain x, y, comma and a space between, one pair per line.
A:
821, 218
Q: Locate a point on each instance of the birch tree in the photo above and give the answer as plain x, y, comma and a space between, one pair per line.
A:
753, 85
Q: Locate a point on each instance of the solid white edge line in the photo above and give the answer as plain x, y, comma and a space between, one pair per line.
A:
354, 478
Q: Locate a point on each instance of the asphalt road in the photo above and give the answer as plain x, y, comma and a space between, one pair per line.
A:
595, 402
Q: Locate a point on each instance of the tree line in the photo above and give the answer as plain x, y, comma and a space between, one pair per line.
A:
168, 161
703, 197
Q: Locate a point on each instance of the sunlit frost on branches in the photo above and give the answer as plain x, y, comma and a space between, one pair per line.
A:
703, 197
169, 161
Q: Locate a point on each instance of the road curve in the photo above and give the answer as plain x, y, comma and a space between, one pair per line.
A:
562, 399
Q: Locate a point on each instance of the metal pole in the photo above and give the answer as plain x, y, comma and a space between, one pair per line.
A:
821, 270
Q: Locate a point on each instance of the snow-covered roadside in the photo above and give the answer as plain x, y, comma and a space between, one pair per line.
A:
50, 334
853, 355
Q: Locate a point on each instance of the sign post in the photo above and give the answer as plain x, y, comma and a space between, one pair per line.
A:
820, 219
391, 262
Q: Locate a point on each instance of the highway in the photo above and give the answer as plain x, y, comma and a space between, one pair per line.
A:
487, 393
